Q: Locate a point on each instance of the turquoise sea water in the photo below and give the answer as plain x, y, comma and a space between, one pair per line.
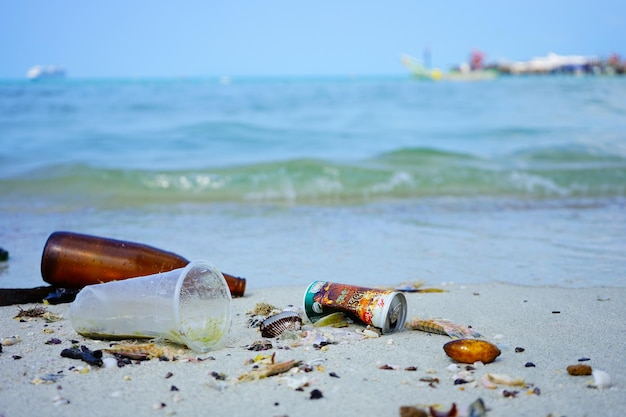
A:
285, 181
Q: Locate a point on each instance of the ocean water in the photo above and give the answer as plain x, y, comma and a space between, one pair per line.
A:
371, 181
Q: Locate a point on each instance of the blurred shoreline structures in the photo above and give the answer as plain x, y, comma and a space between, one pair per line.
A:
551, 64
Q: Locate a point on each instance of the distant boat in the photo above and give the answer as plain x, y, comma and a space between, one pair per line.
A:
463, 73
44, 72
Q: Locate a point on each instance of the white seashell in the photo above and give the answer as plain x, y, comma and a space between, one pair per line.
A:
109, 362
370, 333
316, 362
453, 367
505, 380
465, 375
601, 378
11, 340
58, 400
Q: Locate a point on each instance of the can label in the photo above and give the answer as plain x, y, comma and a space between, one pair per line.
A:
383, 309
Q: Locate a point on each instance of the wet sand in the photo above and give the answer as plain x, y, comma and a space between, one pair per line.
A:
539, 330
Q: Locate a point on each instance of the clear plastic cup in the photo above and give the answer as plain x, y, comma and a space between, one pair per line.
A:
190, 306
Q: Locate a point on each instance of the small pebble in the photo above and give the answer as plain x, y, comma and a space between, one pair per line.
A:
529, 365
4, 255
580, 369
316, 394
519, 349
509, 394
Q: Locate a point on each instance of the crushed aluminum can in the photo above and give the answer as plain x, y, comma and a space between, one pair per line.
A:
379, 308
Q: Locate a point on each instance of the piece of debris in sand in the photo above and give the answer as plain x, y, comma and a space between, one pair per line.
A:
269, 370
36, 312
260, 312
140, 352
83, 353
337, 319
441, 326
416, 286
260, 345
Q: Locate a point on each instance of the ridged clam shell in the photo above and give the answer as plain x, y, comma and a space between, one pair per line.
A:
275, 325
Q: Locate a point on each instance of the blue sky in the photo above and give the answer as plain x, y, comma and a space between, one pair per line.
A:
129, 38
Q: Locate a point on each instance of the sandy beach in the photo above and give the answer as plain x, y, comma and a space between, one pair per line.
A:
539, 330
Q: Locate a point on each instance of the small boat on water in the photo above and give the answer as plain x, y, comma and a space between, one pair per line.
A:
43, 72
464, 72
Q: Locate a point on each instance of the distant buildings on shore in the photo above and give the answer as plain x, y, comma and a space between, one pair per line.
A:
563, 64
476, 68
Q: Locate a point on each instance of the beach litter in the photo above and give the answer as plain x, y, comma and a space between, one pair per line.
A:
189, 306
380, 308
74, 260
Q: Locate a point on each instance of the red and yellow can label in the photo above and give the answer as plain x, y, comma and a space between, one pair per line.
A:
376, 307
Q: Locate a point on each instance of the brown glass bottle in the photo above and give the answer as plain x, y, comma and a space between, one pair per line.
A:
73, 260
